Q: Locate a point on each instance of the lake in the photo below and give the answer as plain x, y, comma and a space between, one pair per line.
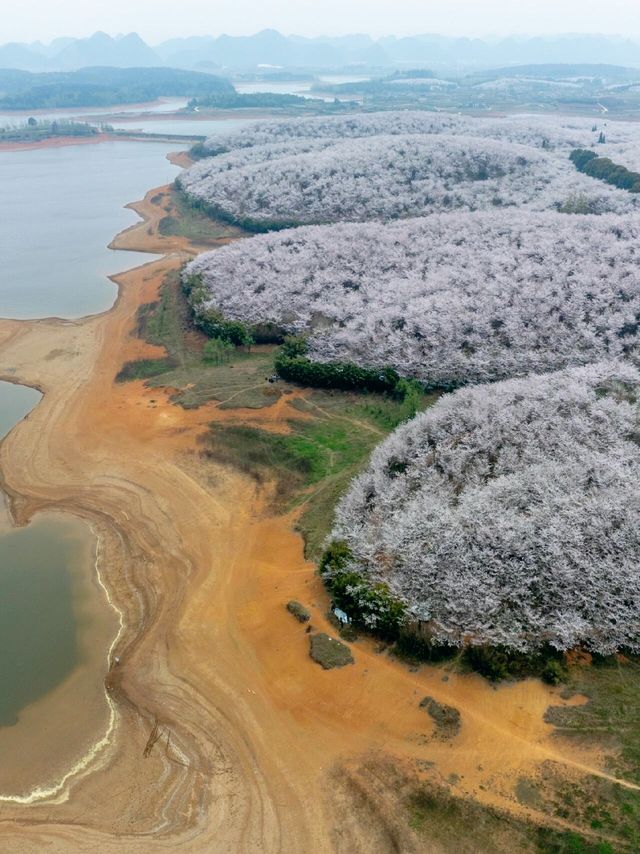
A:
62, 208
188, 126
19, 117
56, 627
300, 87
16, 401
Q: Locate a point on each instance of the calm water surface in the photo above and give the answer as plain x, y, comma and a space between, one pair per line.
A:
37, 622
302, 87
61, 208
16, 401
19, 117
187, 126
38, 647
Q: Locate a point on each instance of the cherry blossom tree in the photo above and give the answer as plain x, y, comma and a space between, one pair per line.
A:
509, 514
446, 299
389, 177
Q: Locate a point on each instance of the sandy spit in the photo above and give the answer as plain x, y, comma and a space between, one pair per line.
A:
55, 142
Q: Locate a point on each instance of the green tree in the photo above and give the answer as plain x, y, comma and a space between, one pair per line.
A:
217, 351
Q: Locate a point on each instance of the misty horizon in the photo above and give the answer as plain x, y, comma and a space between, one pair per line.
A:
487, 37
157, 22
269, 48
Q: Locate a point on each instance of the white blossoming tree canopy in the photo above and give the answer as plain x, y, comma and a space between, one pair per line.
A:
458, 251
446, 299
386, 166
558, 133
335, 128
509, 514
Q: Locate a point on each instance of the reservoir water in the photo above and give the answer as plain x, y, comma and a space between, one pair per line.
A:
55, 629
188, 126
16, 401
62, 208
301, 87
37, 625
95, 114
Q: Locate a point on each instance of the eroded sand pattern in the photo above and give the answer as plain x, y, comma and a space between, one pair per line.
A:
228, 736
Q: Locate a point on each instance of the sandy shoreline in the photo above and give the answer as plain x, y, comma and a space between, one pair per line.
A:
55, 142
228, 736
65, 141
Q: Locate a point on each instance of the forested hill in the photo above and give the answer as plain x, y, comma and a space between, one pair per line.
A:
97, 87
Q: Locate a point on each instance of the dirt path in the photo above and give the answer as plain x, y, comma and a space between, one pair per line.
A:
228, 736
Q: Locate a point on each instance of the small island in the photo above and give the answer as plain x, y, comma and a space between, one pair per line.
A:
40, 131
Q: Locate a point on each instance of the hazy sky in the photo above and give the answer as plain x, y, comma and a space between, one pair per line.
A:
157, 20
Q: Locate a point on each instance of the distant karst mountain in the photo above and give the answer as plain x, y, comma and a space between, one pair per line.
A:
126, 52
70, 54
271, 48
19, 56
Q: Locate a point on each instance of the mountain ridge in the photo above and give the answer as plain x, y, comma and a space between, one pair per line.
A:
272, 48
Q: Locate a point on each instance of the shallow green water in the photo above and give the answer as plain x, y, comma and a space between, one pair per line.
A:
15, 402
38, 645
38, 627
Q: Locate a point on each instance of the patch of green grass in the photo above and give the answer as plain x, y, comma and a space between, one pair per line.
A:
611, 719
238, 383
466, 826
553, 842
599, 806
317, 460
165, 323
295, 461
142, 369
375, 412
612, 714
187, 221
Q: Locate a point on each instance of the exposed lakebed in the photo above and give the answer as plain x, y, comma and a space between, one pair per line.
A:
56, 623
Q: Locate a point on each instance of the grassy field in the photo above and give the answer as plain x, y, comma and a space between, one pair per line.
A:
463, 825
331, 433
612, 715
611, 720
183, 220
420, 815
315, 462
